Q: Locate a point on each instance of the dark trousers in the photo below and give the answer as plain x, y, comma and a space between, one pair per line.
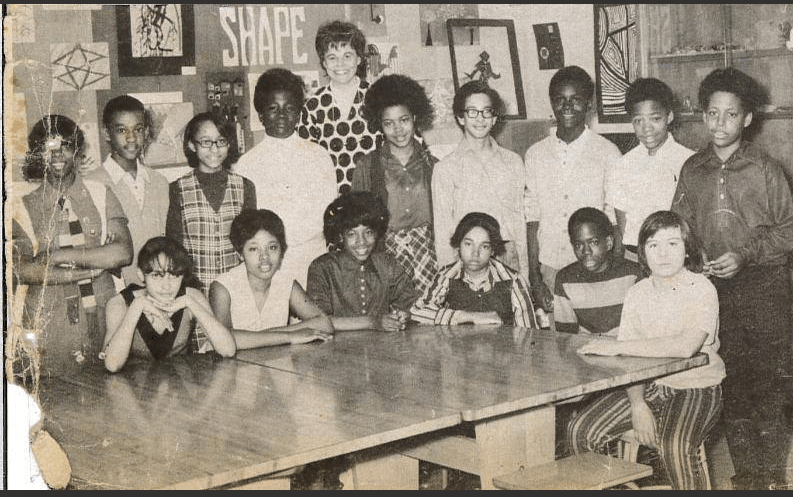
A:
756, 334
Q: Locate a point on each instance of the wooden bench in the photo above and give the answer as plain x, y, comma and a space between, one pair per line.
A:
586, 471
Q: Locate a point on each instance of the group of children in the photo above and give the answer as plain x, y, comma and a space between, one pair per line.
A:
658, 252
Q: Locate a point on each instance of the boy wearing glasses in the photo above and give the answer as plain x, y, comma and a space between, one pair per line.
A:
143, 192
564, 172
293, 177
480, 176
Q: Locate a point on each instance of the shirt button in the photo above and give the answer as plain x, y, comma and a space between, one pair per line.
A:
566, 197
724, 166
363, 311
721, 196
363, 288
721, 181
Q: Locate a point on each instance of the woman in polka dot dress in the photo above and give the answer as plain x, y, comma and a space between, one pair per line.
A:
332, 116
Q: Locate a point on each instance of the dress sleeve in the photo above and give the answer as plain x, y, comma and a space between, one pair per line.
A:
173, 222
248, 194
319, 287
522, 306
431, 307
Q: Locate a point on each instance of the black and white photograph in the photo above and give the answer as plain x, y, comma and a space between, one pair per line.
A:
397, 247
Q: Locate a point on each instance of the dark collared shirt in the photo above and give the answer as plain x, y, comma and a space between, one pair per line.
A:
342, 286
741, 205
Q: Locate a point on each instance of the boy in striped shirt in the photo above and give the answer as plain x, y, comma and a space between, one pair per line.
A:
588, 293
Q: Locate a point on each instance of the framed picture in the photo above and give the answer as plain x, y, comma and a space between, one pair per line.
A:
616, 59
155, 40
486, 50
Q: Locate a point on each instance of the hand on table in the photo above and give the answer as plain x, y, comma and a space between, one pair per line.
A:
395, 321
600, 346
308, 336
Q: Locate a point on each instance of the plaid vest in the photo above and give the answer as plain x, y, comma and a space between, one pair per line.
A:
205, 231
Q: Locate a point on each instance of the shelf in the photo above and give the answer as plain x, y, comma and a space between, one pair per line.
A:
719, 55
697, 116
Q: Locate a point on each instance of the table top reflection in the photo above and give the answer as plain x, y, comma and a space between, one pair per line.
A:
480, 370
205, 422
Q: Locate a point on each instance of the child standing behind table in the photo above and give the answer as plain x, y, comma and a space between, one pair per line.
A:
477, 288
399, 172
644, 179
737, 198
480, 176
332, 116
205, 201
361, 288
293, 177
588, 294
142, 191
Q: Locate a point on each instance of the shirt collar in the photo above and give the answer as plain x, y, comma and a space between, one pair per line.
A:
746, 151
350, 263
662, 150
577, 143
485, 284
117, 173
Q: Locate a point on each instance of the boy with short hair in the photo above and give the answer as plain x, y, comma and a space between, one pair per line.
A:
143, 192
588, 294
564, 172
293, 177
644, 179
736, 198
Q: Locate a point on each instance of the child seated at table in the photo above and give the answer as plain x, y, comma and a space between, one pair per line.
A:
588, 293
156, 320
672, 313
255, 299
358, 284
477, 288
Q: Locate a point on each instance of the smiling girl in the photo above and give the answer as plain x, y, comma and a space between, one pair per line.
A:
672, 313
399, 172
205, 201
359, 286
255, 299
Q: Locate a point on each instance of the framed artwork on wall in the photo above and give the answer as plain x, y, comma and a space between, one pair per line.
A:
616, 58
155, 40
487, 50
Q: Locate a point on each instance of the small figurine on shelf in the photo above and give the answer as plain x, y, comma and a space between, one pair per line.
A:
687, 108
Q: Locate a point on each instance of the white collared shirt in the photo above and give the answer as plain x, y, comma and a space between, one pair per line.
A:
560, 179
641, 183
136, 185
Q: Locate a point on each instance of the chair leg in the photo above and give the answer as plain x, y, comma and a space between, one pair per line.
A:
628, 449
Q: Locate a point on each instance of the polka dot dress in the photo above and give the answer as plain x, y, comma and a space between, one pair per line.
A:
345, 139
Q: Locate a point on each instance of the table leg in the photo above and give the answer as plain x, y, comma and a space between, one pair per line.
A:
506, 443
381, 469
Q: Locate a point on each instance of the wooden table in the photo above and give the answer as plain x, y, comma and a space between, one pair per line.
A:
502, 380
388, 398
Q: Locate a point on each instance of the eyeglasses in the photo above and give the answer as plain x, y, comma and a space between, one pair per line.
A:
473, 113
219, 143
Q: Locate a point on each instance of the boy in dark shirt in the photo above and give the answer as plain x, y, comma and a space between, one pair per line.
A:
736, 198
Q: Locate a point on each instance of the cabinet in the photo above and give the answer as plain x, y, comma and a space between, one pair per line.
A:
680, 44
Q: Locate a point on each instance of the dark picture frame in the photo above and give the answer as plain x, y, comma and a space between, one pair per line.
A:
486, 49
161, 28
617, 58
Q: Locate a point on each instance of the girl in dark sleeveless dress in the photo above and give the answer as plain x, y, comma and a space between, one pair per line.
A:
157, 320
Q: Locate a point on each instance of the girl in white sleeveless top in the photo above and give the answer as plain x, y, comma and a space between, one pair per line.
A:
254, 299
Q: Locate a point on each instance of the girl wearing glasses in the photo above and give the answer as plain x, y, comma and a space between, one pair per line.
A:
480, 176
204, 202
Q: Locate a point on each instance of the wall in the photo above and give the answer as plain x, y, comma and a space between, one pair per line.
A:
30, 74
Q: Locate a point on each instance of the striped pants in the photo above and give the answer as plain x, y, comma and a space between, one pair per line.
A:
683, 418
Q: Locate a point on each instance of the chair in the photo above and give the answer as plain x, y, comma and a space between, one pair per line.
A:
584, 471
628, 449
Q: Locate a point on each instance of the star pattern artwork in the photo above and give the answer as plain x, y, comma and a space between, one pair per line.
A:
80, 66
